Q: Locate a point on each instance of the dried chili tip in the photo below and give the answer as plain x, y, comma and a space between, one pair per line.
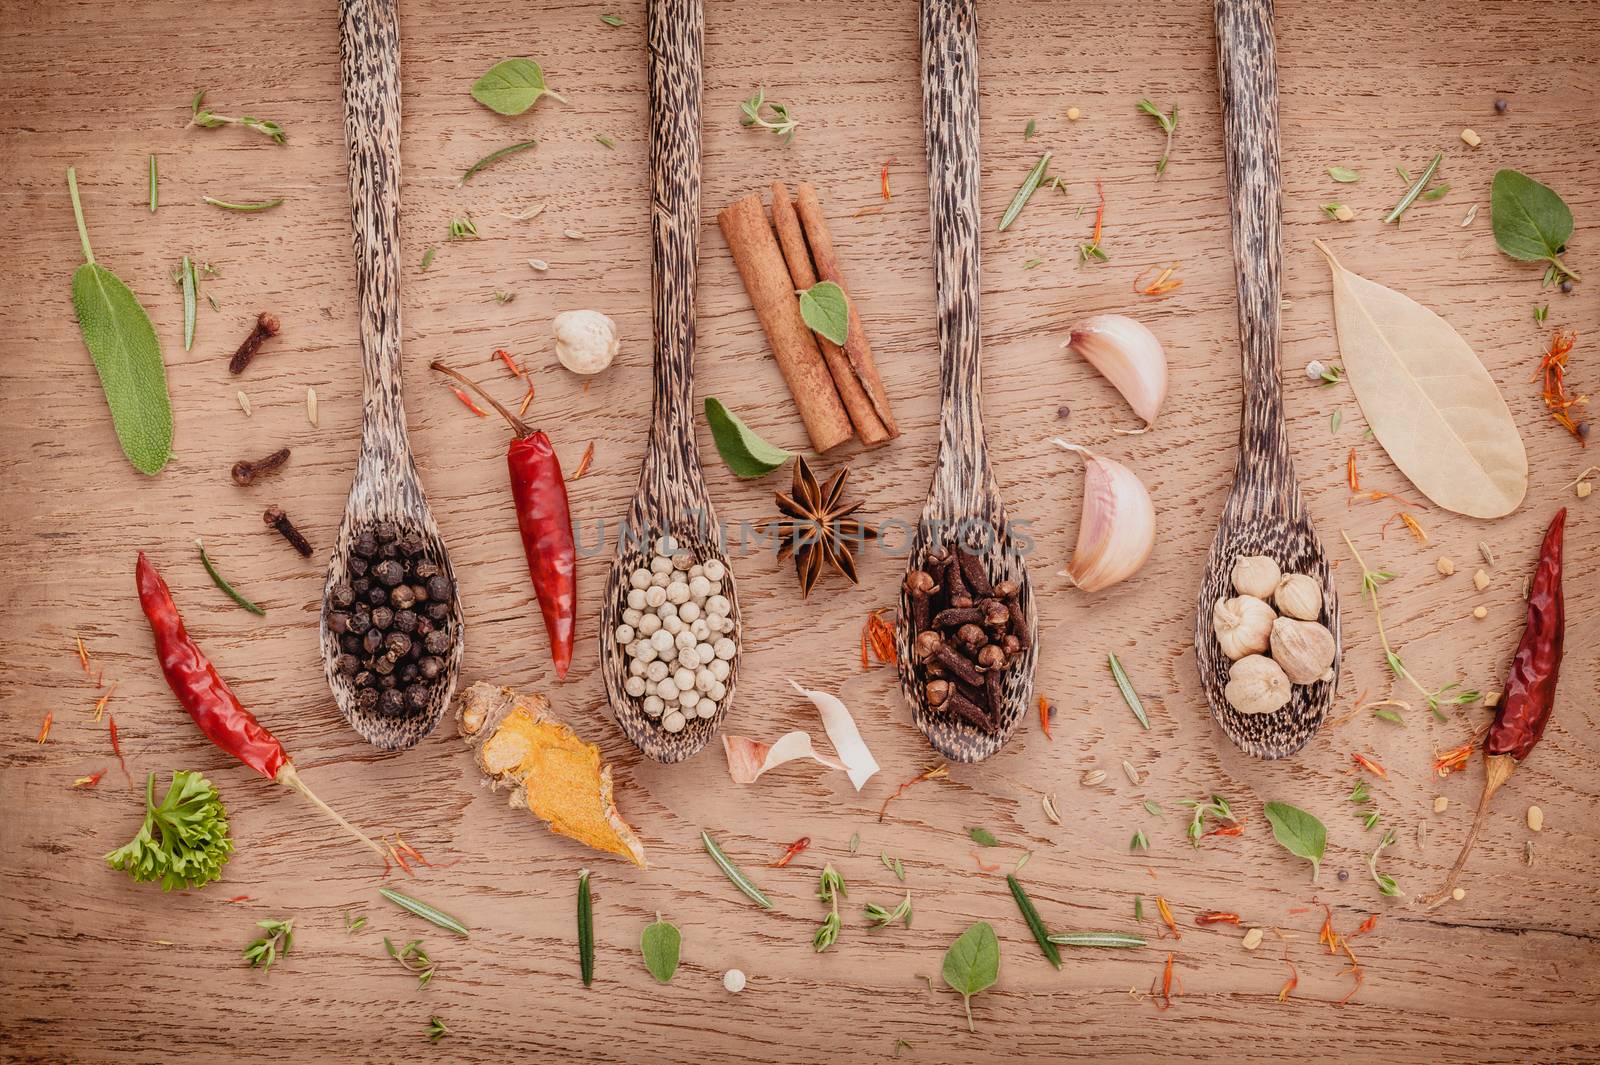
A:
883, 176
44, 729
1046, 712
789, 853
1369, 765
1234, 829
89, 781
1216, 918
1351, 475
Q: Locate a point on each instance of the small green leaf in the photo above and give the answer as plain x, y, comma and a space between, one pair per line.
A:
982, 837
427, 257
972, 964
494, 157
1531, 222
611, 20
1029, 130
827, 311
659, 944
1343, 174
512, 86
1300, 833
1024, 192
746, 453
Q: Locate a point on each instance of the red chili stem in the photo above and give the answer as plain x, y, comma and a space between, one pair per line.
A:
518, 426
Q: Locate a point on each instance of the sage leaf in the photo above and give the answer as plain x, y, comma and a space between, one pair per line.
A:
495, 157
659, 944
126, 353
1428, 398
512, 86
1531, 222
1300, 833
827, 311
1343, 174
746, 453
972, 964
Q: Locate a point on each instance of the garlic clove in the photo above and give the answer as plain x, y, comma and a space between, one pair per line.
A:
1298, 596
1128, 355
1255, 575
1117, 530
1243, 626
1303, 649
1257, 685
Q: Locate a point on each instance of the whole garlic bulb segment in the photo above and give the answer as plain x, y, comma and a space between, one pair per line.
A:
1128, 355
1117, 530
1298, 596
1255, 575
1303, 649
586, 341
1257, 685
1243, 626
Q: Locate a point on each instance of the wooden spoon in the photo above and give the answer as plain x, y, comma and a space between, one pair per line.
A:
671, 499
1264, 514
386, 487
963, 504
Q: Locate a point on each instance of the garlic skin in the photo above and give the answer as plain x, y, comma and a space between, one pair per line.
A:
1303, 649
1117, 530
1257, 685
1243, 626
1298, 596
1128, 355
1255, 575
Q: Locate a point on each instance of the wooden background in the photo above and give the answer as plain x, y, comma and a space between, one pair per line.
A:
95, 968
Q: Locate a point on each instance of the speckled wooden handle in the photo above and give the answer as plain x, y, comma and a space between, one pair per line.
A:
369, 54
1247, 70
950, 120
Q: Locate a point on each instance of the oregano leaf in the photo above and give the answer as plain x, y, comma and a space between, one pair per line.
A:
827, 311
512, 86
659, 944
972, 964
1300, 833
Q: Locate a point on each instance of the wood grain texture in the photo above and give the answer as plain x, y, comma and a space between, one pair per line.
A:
1265, 513
95, 964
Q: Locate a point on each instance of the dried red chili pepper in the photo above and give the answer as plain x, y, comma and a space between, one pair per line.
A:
794, 848
545, 520
209, 701
1530, 691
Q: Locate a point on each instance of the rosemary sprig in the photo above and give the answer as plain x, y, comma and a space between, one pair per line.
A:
1025, 191
229, 590
830, 889
1169, 126
246, 206
494, 157
205, 118
781, 124
1417, 188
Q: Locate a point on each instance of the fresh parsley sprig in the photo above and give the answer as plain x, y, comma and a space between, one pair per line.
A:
184, 840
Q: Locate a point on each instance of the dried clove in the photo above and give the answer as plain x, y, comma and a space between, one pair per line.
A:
919, 586
955, 617
936, 692
968, 710
276, 518
267, 325
246, 472
972, 572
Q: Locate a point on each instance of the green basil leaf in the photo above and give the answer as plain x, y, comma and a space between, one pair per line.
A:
746, 454
659, 944
1343, 174
1300, 833
512, 86
827, 311
982, 837
972, 964
126, 353
1530, 221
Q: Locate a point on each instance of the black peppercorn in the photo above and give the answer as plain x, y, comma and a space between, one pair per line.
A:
343, 596
372, 640
386, 532
439, 588
425, 568
350, 643
439, 611
367, 699
425, 625
397, 643
405, 621
1501, 107
420, 592
437, 642
416, 698
347, 664
429, 667
382, 617
360, 619
407, 673
389, 572
402, 597
1566, 287
360, 586
388, 551
386, 681
377, 595
365, 545
412, 544
383, 665
358, 567
1344, 874
338, 623
364, 679
391, 702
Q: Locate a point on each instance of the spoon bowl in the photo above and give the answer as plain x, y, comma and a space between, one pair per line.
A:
671, 500
387, 487
964, 506
1264, 514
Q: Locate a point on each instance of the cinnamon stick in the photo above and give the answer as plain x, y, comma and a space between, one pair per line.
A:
803, 275
856, 347
766, 278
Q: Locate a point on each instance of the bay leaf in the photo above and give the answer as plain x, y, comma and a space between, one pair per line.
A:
741, 447
1428, 399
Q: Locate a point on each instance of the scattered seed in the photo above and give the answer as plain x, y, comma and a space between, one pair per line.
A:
1472, 213
572, 234
1471, 138
1583, 488
1094, 778
1488, 555
539, 265
1527, 853
1445, 566
1422, 834
311, 405
1459, 893
1073, 114
1480, 580
1252, 939
1343, 213
1131, 773
1535, 819
244, 403
1440, 804
1480, 612
1491, 700
1050, 809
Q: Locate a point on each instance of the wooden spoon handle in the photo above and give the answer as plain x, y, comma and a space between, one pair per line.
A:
1247, 71
369, 59
675, 33
950, 120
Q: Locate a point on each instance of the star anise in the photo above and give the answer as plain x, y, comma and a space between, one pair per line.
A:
817, 526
